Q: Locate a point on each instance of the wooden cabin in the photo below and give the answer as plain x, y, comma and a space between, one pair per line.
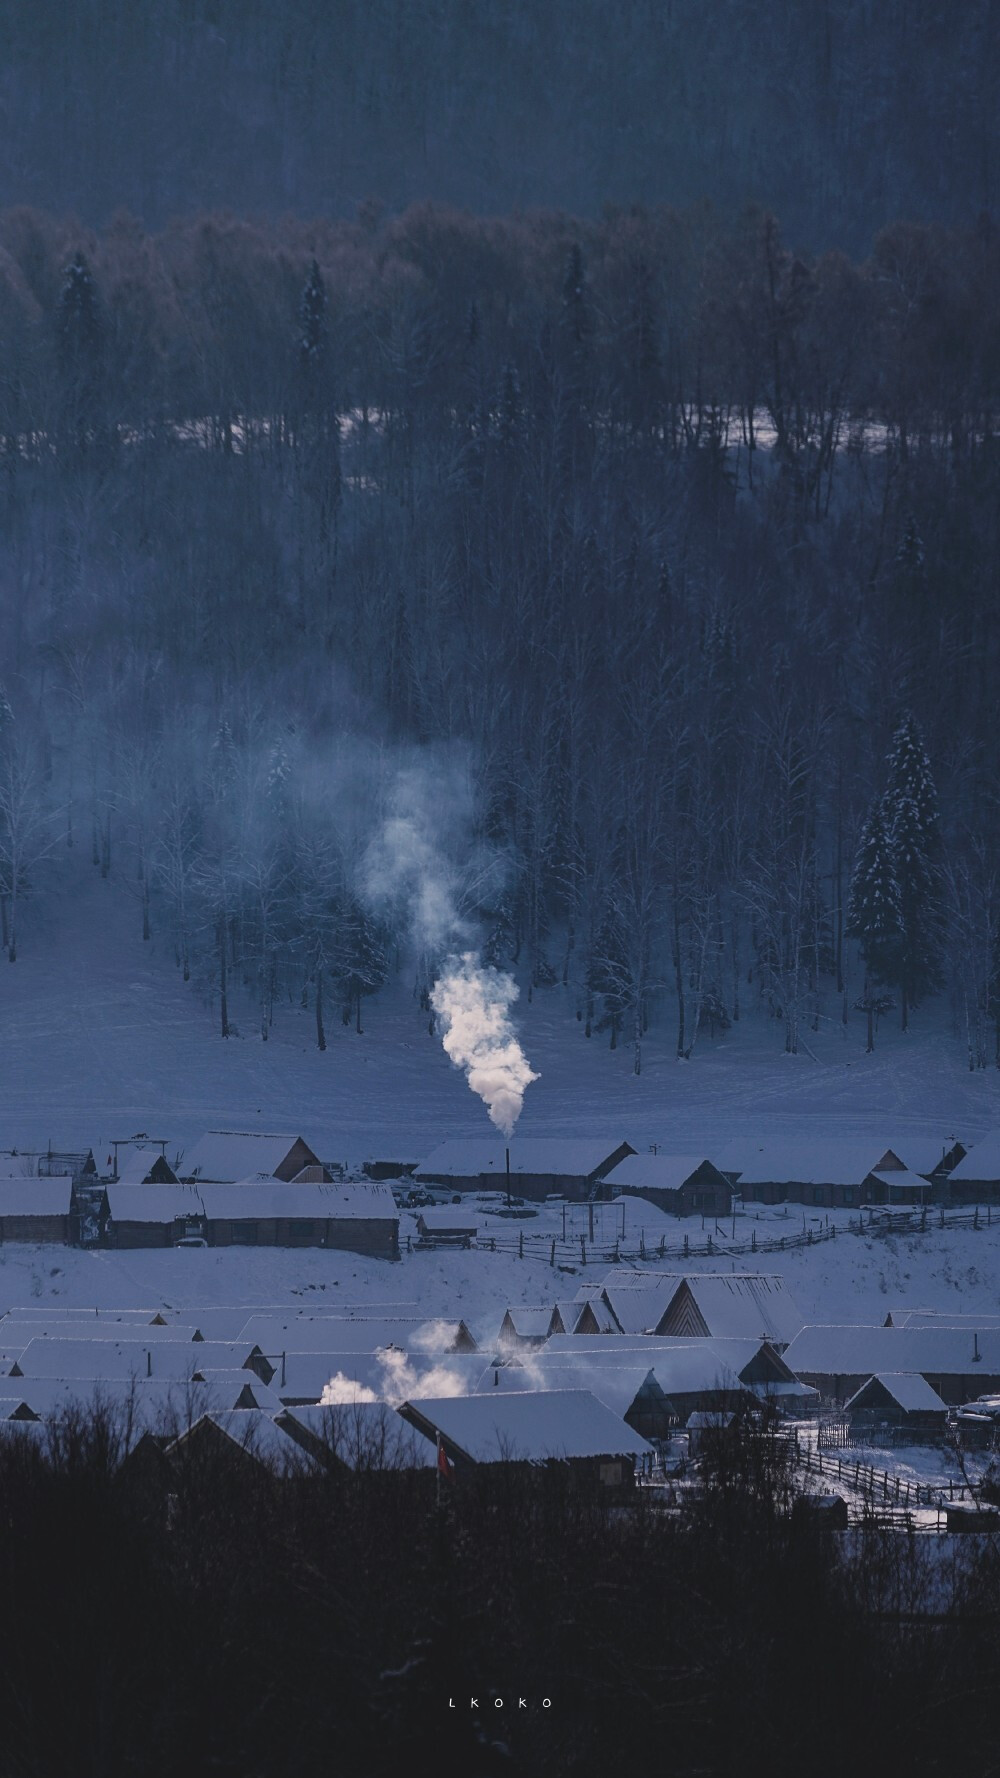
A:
36, 1209
680, 1185
898, 1399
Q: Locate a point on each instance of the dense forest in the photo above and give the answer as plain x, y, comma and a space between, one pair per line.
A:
839, 115
636, 576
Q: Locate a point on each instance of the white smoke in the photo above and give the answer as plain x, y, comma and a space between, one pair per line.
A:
343, 1390
411, 865
473, 1004
400, 1381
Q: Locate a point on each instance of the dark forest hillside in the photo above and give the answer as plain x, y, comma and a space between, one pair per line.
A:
640, 572
840, 115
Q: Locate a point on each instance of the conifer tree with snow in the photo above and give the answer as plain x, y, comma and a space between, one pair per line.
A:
913, 822
875, 913
312, 321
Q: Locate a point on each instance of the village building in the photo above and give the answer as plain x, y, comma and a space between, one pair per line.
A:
902, 1400
565, 1426
681, 1185
525, 1328
362, 1436
245, 1434
751, 1305
957, 1362
450, 1226
36, 1209
94, 1360
223, 1157
150, 1215
540, 1166
825, 1173
266, 1212
629, 1388
976, 1178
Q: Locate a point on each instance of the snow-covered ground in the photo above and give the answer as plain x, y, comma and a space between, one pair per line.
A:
853, 1278
100, 1037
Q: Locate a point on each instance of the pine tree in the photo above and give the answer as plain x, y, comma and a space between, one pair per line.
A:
80, 342
913, 822
312, 321
875, 912
365, 961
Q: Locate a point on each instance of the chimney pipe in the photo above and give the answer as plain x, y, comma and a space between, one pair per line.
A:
507, 1158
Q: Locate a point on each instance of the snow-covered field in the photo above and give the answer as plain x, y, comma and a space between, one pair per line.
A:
853, 1278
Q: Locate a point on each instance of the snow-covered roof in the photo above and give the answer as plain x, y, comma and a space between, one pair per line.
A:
923, 1154
134, 1164
528, 1426
802, 1160
615, 1385
303, 1376
15, 1333
36, 1197
225, 1388
637, 1310
230, 1155
528, 1323
365, 1435
917, 1318
266, 1199
412, 1333
662, 1172
571, 1158
151, 1402
91, 1359
453, 1218
902, 1179
752, 1304
834, 1350
261, 1436
152, 1203
981, 1162
912, 1392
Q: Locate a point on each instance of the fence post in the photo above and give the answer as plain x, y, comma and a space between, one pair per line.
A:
753, 1240
552, 1255
520, 1243
685, 1247
975, 1219
710, 1244
583, 1251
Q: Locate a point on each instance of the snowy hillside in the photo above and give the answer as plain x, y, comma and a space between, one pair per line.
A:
100, 1037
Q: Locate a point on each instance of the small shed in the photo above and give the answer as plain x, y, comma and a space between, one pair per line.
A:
144, 1166
708, 1429
449, 1226
898, 1399
268, 1212
681, 1185
36, 1209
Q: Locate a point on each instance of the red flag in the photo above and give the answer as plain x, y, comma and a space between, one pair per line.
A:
444, 1467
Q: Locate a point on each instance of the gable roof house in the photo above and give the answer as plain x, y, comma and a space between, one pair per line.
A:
525, 1328
957, 1362
540, 1166
831, 1173
629, 1388
751, 1305
680, 1184
898, 1399
976, 1178
224, 1156
536, 1426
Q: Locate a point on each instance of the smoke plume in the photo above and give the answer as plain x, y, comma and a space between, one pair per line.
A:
424, 861
473, 1004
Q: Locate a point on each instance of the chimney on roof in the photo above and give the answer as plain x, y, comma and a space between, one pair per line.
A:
976, 1354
